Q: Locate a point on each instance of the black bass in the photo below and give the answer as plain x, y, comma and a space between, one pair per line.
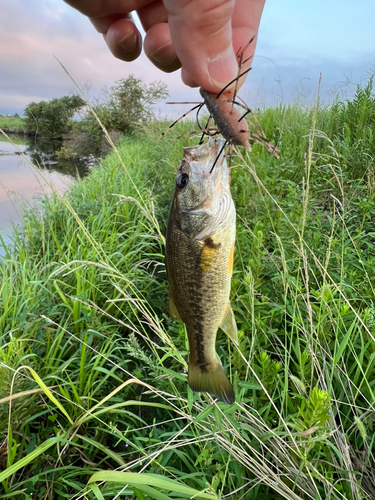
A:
199, 261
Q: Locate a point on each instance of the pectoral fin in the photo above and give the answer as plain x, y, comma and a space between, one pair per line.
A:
229, 324
207, 259
173, 313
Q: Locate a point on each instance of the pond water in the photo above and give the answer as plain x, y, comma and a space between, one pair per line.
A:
21, 184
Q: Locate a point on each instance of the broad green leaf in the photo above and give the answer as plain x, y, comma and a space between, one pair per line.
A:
249, 385
153, 493
89, 415
29, 458
140, 480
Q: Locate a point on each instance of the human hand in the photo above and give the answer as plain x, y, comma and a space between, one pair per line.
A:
200, 36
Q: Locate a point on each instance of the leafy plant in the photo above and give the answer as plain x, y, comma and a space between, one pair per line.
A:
126, 108
102, 409
314, 410
52, 118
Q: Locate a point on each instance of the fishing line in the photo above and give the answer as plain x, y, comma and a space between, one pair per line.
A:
218, 156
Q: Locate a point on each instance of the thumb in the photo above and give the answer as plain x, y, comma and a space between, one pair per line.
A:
201, 33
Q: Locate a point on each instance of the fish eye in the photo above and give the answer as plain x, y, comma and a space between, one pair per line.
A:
182, 181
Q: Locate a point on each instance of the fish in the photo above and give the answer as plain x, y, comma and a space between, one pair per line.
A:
200, 240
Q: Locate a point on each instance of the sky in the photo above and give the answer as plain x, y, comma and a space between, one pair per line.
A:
298, 40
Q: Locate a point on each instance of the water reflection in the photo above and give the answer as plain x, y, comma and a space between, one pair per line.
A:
43, 154
22, 184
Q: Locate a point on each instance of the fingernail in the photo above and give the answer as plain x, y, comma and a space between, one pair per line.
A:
223, 68
129, 42
164, 55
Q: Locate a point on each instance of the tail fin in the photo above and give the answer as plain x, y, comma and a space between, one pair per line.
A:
211, 379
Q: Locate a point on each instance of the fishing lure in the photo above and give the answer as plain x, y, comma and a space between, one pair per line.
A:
223, 110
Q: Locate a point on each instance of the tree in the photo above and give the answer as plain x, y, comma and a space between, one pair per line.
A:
53, 118
128, 105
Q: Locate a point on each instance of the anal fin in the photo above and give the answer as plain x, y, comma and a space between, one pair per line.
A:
229, 324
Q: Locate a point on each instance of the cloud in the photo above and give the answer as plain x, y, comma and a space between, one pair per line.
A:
297, 42
33, 37
283, 79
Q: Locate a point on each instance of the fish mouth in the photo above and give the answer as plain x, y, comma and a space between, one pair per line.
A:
210, 157
207, 164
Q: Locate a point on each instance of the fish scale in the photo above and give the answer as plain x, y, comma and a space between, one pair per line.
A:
199, 258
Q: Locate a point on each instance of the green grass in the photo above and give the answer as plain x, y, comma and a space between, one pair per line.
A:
15, 125
93, 375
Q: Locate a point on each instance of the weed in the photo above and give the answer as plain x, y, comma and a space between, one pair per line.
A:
94, 370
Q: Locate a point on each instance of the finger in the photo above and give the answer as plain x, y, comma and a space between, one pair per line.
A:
202, 34
159, 49
124, 40
157, 43
112, 18
122, 37
202, 37
153, 13
104, 8
245, 25
102, 24
187, 80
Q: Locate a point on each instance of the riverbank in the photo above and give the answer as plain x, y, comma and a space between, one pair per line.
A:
84, 311
29, 168
13, 125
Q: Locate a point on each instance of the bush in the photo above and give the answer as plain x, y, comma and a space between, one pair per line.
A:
53, 118
127, 107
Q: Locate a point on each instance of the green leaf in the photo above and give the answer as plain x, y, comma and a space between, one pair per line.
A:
141, 481
49, 394
343, 344
204, 413
138, 493
29, 458
154, 494
117, 458
95, 489
249, 385
89, 415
